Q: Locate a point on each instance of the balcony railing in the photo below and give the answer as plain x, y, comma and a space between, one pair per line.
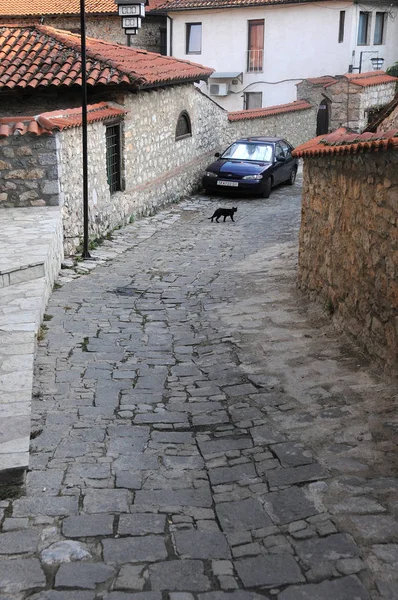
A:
255, 60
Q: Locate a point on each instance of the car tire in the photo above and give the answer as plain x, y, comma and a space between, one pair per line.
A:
267, 188
292, 177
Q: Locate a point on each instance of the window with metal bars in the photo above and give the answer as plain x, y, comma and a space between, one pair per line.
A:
113, 156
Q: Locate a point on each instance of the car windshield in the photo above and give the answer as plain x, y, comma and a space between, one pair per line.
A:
249, 151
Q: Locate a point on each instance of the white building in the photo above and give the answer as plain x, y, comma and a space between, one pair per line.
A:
260, 49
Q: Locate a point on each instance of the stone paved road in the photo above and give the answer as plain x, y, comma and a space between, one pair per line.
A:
200, 431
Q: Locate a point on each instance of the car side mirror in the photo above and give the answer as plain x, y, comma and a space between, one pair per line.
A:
217, 154
280, 158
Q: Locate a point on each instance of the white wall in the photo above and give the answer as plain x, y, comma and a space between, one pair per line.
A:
300, 41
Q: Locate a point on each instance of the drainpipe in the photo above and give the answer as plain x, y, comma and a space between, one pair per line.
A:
171, 34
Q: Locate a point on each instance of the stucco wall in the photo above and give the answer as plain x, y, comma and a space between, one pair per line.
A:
348, 255
286, 58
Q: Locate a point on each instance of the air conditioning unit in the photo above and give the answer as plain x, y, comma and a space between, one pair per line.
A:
219, 89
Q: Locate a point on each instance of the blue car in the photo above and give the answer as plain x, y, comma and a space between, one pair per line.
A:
252, 165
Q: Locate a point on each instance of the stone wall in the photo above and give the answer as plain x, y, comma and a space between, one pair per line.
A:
105, 27
29, 173
297, 126
349, 103
348, 255
157, 168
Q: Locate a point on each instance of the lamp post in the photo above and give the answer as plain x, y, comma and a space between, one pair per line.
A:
85, 253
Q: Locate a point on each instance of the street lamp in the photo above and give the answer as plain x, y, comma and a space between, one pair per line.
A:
377, 63
132, 14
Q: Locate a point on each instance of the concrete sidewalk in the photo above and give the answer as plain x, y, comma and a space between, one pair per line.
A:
30, 259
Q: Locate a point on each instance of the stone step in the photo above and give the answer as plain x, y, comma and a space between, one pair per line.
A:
18, 274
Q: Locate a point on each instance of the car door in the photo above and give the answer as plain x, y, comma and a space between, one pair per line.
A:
289, 160
280, 164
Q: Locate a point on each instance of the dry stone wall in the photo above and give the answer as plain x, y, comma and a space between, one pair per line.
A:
348, 255
157, 169
297, 126
29, 171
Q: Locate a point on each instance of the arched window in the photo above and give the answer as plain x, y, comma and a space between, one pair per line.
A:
183, 129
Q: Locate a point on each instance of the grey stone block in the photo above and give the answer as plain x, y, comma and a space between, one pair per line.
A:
175, 575
52, 506
141, 524
83, 575
316, 551
289, 505
186, 497
224, 445
376, 528
134, 549
88, 526
103, 501
201, 544
263, 434
18, 542
242, 515
236, 473
291, 454
289, 476
346, 588
25, 575
66, 595
268, 571
233, 595
133, 596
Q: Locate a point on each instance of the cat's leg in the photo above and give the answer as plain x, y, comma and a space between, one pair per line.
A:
232, 217
225, 216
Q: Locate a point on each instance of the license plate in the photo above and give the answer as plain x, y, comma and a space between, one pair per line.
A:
228, 183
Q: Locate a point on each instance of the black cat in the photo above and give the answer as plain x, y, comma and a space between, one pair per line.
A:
223, 212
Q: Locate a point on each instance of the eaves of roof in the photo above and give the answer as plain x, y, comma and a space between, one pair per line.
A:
49, 122
177, 5
41, 8
258, 113
36, 57
341, 142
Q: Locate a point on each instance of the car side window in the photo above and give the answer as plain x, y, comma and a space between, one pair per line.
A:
286, 149
279, 151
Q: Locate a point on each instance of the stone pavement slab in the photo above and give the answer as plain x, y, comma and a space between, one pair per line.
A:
200, 431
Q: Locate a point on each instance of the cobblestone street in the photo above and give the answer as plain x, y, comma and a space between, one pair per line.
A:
200, 430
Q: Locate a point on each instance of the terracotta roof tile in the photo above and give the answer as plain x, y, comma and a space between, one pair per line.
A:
370, 78
40, 56
57, 120
323, 80
257, 113
342, 142
38, 8
209, 4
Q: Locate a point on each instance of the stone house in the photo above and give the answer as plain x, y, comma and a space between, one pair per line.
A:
102, 20
347, 100
151, 132
348, 254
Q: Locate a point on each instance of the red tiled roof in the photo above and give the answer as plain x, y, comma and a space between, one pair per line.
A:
38, 56
323, 80
39, 8
370, 78
363, 79
342, 142
209, 4
257, 113
57, 120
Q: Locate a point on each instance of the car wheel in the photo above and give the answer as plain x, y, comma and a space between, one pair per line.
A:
267, 188
292, 177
